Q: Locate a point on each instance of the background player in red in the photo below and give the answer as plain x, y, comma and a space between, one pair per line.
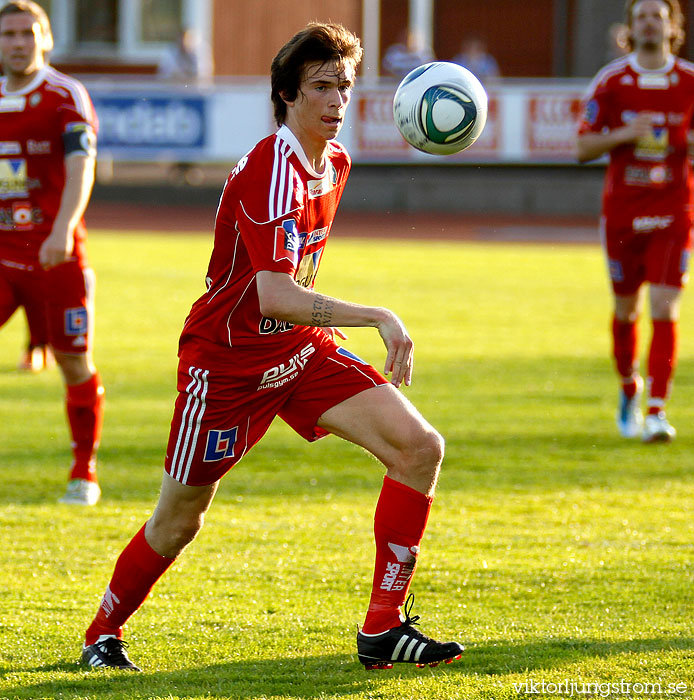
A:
639, 110
259, 343
47, 151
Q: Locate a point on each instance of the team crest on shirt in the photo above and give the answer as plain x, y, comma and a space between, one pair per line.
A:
35, 99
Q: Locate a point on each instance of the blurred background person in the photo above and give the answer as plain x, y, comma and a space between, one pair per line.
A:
405, 55
639, 110
189, 60
617, 41
474, 56
49, 125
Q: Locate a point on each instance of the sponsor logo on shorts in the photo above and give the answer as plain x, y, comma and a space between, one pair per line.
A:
616, 270
280, 374
76, 321
220, 444
646, 224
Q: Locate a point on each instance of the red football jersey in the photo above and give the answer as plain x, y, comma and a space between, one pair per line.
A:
654, 176
40, 125
275, 214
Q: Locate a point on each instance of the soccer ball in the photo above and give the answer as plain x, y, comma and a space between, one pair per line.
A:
440, 108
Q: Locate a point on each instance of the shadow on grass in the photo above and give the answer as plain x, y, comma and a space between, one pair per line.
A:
330, 675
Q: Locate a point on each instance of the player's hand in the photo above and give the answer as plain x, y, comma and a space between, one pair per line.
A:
400, 357
56, 249
639, 127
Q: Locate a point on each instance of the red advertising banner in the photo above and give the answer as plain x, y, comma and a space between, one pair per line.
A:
551, 122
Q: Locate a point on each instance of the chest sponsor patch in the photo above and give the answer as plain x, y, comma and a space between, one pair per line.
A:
10, 148
13, 178
13, 103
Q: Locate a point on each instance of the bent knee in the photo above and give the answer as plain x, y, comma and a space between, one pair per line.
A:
424, 452
170, 537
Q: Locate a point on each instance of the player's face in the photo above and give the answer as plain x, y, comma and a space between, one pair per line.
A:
21, 40
321, 103
651, 27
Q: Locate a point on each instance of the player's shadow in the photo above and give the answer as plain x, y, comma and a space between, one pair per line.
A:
334, 675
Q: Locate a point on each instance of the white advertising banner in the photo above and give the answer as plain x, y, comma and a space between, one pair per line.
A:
528, 122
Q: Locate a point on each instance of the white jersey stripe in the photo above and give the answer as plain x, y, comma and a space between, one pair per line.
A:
75, 88
273, 183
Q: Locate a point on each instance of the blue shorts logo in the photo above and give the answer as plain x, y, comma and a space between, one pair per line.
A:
616, 270
220, 444
76, 321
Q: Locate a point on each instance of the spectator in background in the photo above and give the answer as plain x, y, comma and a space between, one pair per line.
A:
405, 55
187, 60
476, 58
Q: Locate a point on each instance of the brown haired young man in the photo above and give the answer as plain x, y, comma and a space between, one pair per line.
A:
47, 152
640, 110
260, 343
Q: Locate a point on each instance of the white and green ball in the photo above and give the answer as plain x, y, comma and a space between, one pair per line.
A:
440, 108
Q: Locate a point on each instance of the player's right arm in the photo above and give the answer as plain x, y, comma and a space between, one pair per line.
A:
282, 298
593, 144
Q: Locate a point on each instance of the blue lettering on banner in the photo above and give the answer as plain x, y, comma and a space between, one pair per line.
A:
146, 122
220, 444
76, 321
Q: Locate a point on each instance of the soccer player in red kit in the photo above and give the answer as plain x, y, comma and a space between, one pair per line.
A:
259, 343
47, 151
639, 110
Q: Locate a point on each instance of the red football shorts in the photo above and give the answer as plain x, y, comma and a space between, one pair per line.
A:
223, 410
654, 249
59, 300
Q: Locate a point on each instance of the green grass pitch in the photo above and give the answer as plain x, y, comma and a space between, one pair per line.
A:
556, 552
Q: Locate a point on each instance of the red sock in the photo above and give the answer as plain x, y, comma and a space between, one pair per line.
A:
138, 568
399, 523
661, 363
624, 341
85, 414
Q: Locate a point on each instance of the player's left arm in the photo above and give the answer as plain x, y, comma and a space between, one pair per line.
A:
80, 158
